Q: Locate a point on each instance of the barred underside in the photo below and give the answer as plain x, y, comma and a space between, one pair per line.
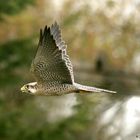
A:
58, 89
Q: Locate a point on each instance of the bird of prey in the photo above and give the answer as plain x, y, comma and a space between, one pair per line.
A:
52, 67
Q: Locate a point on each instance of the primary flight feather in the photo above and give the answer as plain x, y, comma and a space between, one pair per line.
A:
52, 67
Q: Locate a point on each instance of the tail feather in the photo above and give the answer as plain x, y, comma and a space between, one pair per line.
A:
92, 89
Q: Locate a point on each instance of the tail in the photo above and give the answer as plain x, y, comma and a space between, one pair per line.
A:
82, 88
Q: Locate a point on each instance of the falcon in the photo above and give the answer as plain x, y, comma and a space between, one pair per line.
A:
52, 67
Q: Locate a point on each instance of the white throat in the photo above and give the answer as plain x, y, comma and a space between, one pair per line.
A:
33, 91
33, 87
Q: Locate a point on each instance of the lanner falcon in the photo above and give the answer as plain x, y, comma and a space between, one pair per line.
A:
52, 67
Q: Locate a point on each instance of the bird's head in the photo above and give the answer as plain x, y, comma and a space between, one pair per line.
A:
30, 88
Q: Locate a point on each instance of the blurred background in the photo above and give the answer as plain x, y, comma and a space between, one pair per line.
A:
103, 39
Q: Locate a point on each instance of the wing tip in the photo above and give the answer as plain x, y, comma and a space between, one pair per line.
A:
41, 36
48, 29
43, 33
55, 28
55, 24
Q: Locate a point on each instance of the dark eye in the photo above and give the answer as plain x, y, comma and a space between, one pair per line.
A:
27, 86
32, 86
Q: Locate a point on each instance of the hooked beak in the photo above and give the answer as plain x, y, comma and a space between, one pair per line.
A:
23, 89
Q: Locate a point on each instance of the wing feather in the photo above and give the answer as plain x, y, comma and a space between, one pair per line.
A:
51, 63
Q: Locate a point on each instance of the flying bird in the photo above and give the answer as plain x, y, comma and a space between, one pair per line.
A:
53, 69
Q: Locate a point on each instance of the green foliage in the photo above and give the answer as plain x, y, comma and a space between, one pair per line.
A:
13, 56
11, 7
19, 123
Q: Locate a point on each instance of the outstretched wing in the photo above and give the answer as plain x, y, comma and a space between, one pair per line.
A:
51, 63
